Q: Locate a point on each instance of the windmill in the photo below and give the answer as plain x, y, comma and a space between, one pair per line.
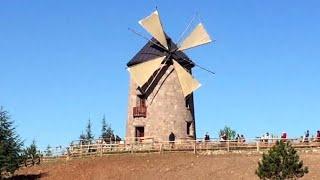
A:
162, 85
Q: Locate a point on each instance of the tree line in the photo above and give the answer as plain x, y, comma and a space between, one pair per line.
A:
14, 153
107, 133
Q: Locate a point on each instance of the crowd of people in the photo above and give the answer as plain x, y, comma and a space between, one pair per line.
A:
238, 138
267, 137
305, 138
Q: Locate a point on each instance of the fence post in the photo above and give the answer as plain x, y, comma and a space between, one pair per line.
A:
101, 150
160, 150
228, 145
258, 146
68, 154
131, 148
195, 147
81, 149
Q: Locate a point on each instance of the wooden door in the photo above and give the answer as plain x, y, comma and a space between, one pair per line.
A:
139, 133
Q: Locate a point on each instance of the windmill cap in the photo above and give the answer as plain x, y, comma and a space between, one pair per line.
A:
151, 51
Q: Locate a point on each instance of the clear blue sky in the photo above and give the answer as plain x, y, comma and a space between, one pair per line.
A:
62, 62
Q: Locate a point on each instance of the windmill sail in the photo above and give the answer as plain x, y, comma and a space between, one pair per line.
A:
141, 73
152, 24
197, 37
187, 82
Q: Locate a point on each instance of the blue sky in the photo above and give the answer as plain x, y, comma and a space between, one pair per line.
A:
63, 62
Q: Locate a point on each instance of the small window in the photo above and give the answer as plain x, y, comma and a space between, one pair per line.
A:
187, 102
189, 128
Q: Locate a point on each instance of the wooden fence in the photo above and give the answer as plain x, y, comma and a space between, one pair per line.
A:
146, 145
30, 162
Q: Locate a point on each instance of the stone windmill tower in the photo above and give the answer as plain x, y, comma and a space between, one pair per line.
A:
162, 85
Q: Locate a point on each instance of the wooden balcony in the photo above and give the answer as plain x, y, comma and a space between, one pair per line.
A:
140, 111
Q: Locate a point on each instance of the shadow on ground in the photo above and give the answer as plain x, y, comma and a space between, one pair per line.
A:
29, 176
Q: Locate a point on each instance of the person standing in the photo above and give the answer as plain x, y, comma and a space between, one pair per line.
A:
207, 137
318, 136
172, 138
284, 136
306, 137
238, 138
243, 140
223, 137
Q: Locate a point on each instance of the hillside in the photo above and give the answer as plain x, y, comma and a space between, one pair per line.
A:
162, 166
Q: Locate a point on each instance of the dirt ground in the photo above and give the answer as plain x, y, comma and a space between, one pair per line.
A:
161, 166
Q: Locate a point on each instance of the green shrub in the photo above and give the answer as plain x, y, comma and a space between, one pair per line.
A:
281, 162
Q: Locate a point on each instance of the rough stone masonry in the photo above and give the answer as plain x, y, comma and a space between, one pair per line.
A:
167, 111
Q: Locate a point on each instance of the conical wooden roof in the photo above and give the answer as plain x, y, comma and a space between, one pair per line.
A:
151, 51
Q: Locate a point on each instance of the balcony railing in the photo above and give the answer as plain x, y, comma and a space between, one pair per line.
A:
140, 111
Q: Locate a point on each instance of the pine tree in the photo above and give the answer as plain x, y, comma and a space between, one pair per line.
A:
33, 148
32, 153
48, 151
82, 138
104, 127
89, 136
10, 144
106, 131
281, 162
109, 132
